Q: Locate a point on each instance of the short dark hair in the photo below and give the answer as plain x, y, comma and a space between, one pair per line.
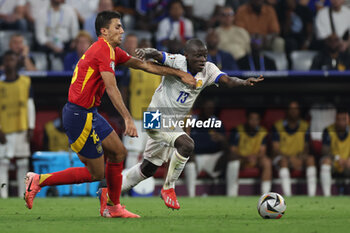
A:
254, 110
192, 43
342, 110
171, 3
103, 20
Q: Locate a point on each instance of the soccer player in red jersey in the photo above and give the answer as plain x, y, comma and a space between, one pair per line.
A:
90, 135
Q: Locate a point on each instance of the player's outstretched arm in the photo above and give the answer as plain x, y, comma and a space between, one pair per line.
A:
117, 100
153, 68
228, 81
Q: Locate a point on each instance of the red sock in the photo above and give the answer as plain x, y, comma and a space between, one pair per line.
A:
114, 180
73, 175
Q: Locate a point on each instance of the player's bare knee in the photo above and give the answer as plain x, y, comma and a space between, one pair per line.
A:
284, 162
185, 146
266, 163
310, 161
97, 176
148, 169
326, 160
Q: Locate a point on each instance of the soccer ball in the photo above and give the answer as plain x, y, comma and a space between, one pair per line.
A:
271, 206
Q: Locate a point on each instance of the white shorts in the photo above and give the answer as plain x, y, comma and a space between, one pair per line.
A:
207, 163
16, 146
160, 145
136, 144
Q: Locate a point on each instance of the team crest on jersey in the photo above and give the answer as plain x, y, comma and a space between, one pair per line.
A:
199, 83
112, 65
152, 119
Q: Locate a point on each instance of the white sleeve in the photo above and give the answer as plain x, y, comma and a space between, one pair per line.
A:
323, 27
174, 60
74, 30
162, 32
189, 29
214, 74
40, 27
31, 113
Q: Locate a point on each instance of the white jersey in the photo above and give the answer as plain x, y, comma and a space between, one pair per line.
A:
175, 98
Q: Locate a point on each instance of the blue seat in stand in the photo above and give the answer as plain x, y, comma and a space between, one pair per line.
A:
48, 162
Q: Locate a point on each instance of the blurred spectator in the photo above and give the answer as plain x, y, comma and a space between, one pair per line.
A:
89, 25
203, 13
17, 121
233, 39
334, 20
174, 27
290, 144
33, 8
335, 150
316, 5
149, 13
82, 43
18, 45
211, 145
56, 27
296, 25
331, 58
137, 88
55, 138
256, 60
12, 15
248, 150
223, 60
260, 19
83, 8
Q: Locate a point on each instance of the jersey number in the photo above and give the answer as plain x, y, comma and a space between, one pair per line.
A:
182, 97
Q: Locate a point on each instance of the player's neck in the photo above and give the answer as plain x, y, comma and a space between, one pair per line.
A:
114, 45
55, 6
11, 75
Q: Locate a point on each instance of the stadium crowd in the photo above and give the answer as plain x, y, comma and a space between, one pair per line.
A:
240, 35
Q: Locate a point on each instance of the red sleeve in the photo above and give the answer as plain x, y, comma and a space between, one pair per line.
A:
121, 56
105, 59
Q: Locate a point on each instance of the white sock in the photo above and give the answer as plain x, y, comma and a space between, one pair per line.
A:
265, 186
232, 173
285, 180
132, 159
326, 179
311, 180
4, 178
22, 169
176, 166
132, 177
191, 175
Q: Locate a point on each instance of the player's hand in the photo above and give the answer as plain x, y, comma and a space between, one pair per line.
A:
144, 53
130, 128
2, 138
251, 81
188, 79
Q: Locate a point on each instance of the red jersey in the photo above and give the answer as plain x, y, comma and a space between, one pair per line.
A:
87, 86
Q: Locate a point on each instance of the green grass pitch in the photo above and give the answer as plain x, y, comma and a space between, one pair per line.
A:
201, 214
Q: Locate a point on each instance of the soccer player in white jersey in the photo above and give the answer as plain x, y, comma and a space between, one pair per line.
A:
176, 98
